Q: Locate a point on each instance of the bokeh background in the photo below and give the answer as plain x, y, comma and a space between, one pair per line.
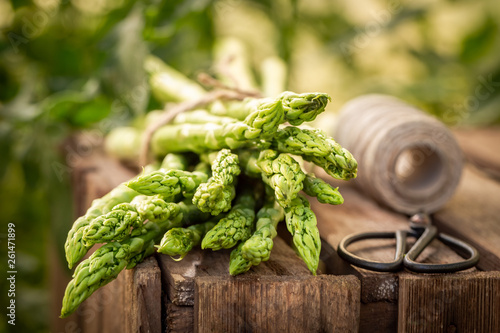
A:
70, 65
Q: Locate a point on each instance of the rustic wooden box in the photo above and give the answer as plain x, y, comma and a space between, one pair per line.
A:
197, 293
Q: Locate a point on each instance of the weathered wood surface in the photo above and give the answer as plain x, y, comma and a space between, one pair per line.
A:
276, 304
179, 276
179, 319
473, 214
462, 302
481, 148
259, 300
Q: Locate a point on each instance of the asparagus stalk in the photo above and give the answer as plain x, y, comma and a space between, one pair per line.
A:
202, 117
175, 161
316, 187
168, 183
301, 223
297, 108
157, 210
74, 246
258, 247
169, 85
215, 196
177, 242
315, 146
282, 173
108, 261
248, 162
236, 226
261, 123
116, 225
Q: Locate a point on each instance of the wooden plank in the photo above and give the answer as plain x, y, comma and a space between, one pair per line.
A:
283, 277
115, 302
384, 314
461, 302
145, 307
90, 312
276, 304
473, 214
179, 276
481, 147
179, 319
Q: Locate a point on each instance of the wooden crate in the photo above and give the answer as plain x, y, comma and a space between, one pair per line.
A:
197, 293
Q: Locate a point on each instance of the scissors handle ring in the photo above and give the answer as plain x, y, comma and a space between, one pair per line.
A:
392, 266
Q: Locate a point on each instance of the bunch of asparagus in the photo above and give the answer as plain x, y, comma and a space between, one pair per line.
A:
241, 181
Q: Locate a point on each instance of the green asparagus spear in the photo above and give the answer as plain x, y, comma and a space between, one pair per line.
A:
105, 267
177, 242
248, 162
315, 146
115, 225
191, 214
169, 85
261, 123
175, 161
156, 209
258, 247
236, 226
168, 183
316, 187
215, 196
107, 262
301, 223
282, 173
297, 108
74, 246
201, 117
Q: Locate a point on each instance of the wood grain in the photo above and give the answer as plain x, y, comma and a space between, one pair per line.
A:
179, 276
277, 304
473, 214
481, 146
145, 306
179, 319
451, 302
378, 317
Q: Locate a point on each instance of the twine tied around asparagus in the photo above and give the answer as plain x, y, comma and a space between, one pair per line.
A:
221, 92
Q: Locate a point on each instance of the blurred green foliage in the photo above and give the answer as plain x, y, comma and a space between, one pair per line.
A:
76, 65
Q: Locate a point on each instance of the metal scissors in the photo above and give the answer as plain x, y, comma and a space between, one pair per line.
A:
425, 232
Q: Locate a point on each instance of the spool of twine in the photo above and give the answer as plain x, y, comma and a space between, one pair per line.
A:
407, 160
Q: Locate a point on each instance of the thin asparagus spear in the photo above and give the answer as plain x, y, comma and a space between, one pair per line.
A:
316, 187
108, 261
215, 196
236, 226
316, 147
177, 242
258, 247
